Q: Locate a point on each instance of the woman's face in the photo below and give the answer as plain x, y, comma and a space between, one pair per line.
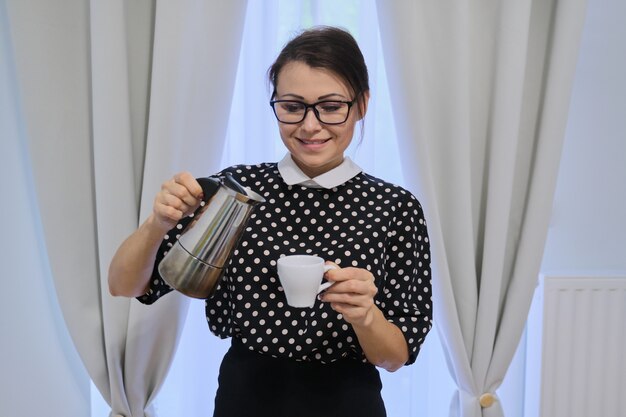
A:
315, 147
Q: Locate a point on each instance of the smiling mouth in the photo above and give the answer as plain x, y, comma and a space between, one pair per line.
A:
313, 141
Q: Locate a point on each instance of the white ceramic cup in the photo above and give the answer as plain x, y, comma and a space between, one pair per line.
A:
301, 277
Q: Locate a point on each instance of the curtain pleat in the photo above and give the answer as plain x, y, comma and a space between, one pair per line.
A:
51, 47
188, 102
95, 95
137, 357
480, 94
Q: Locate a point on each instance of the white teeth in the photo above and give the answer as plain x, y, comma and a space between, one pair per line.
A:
313, 142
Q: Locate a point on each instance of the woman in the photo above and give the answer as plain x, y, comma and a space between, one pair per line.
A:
319, 361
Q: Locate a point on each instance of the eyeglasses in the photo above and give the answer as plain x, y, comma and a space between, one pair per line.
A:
327, 112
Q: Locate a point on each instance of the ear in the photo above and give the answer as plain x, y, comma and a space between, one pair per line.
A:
362, 104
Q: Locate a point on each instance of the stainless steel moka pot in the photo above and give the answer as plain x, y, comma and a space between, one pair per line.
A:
195, 264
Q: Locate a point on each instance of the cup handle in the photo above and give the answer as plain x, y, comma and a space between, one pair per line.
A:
326, 284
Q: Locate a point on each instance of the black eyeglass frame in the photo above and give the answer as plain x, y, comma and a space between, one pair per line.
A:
312, 107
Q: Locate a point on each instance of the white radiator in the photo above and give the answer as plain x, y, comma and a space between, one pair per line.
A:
576, 348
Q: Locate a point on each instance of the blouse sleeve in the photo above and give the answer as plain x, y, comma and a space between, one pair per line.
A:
158, 287
405, 299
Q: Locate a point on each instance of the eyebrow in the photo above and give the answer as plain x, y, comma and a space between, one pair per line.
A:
325, 96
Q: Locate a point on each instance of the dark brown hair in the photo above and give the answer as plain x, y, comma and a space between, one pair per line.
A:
326, 47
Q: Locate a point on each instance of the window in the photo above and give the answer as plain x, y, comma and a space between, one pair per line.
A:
424, 388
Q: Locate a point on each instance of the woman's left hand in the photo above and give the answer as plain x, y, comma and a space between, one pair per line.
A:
352, 295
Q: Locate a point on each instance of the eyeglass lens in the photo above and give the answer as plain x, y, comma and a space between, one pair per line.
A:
331, 112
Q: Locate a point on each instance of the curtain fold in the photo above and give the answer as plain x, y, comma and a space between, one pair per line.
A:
51, 50
480, 95
138, 353
197, 46
188, 102
89, 76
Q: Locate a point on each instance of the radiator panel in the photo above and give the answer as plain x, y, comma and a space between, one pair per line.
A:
577, 338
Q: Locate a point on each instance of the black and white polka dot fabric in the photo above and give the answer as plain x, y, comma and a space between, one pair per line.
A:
364, 223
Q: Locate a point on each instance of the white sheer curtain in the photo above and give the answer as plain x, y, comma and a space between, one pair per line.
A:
480, 93
86, 89
253, 137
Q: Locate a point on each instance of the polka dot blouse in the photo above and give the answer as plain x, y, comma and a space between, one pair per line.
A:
364, 223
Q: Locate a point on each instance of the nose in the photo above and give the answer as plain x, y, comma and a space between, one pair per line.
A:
310, 122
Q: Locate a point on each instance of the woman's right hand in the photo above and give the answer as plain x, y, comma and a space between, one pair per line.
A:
179, 197
131, 267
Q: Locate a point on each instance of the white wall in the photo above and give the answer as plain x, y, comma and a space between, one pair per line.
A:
588, 228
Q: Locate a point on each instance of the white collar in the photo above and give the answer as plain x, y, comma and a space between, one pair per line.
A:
292, 174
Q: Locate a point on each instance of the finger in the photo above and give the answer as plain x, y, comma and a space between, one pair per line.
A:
189, 182
175, 202
350, 273
181, 192
350, 292
167, 214
353, 299
351, 284
337, 273
349, 312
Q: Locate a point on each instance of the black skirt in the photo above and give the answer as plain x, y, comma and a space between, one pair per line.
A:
255, 385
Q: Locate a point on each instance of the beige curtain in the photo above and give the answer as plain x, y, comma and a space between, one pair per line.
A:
117, 96
480, 93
